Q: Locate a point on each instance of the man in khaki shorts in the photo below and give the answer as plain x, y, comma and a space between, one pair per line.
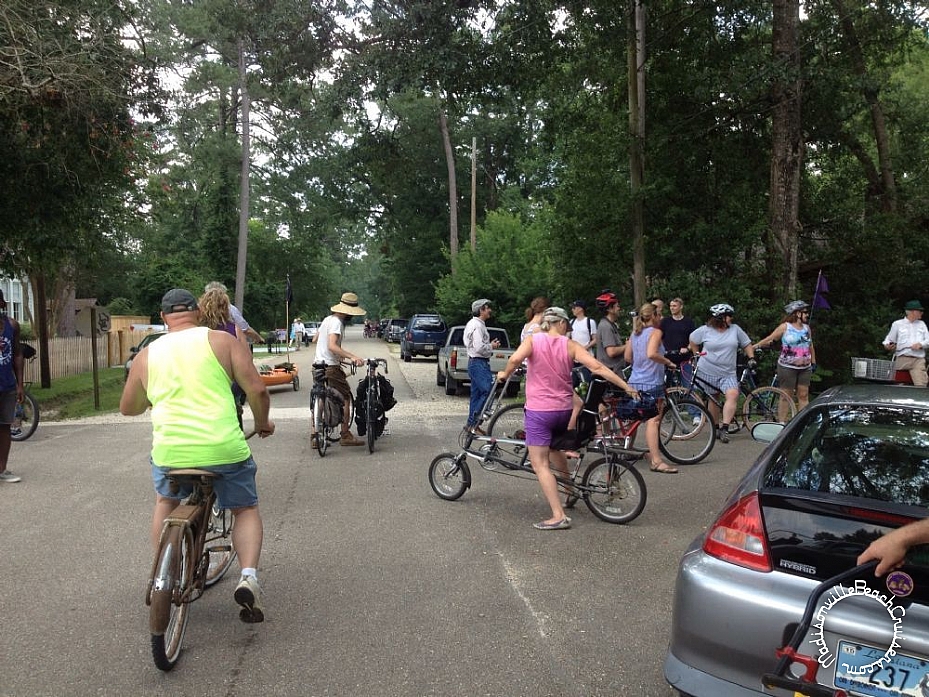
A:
329, 351
908, 338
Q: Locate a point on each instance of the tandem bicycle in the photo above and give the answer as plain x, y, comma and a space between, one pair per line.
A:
611, 487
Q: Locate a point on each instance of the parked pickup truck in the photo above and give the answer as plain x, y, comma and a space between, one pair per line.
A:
452, 370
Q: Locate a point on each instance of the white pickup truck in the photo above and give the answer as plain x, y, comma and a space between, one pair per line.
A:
452, 370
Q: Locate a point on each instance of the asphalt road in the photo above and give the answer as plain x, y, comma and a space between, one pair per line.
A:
372, 584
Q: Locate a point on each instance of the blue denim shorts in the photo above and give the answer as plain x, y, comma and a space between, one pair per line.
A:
542, 426
235, 486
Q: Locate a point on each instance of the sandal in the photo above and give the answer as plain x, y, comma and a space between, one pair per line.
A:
663, 468
562, 524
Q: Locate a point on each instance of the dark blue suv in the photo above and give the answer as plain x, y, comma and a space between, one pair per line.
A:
424, 336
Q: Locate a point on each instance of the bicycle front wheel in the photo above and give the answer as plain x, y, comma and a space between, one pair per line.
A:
169, 613
449, 476
371, 434
687, 433
218, 546
768, 404
614, 491
26, 419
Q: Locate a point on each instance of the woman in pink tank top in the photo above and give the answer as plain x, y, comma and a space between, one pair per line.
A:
550, 355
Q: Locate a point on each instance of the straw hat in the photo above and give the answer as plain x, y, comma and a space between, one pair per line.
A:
348, 305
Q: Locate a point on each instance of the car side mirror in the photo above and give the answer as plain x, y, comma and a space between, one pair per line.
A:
766, 431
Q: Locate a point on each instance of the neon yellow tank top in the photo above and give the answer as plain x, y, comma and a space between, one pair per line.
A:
194, 420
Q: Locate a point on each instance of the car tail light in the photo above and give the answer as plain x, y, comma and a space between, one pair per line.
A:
454, 361
738, 535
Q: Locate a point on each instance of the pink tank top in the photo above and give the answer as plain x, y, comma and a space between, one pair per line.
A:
548, 374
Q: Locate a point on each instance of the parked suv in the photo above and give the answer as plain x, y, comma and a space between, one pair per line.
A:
424, 335
394, 331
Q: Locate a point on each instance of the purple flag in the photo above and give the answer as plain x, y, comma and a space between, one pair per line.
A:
822, 287
289, 292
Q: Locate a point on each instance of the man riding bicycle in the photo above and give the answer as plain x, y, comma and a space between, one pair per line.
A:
186, 379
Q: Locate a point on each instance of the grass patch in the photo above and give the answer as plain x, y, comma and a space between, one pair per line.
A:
72, 397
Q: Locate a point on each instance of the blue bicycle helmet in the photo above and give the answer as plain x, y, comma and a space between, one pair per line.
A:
795, 306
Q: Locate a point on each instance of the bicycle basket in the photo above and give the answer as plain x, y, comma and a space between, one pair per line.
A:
640, 409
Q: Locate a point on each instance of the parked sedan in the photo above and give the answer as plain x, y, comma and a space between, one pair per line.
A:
852, 466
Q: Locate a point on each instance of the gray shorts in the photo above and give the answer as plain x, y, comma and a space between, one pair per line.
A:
7, 406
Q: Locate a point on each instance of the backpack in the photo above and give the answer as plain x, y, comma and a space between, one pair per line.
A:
587, 420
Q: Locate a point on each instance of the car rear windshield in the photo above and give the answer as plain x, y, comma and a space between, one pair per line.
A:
878, 452
429, 324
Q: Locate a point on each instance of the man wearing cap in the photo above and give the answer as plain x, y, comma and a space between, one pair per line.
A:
908, 338
186, 378
11, 386
329, 351
584, 332
610, 346
480, 347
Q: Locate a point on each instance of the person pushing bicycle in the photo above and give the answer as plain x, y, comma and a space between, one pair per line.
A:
185, 378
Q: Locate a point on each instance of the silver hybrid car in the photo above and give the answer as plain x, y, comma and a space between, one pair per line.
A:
850, 467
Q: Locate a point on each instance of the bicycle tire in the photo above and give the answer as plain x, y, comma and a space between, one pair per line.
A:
686, 439
169, 613
218, 545
677, 400
614, 491
28, 415
369, 415
322, 431
763, 404
510, 423
449, 477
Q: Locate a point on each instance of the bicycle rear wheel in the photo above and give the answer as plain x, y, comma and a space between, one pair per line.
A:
509, 422
687, 433
678, 411
322, 431
169, 613
614, 491
218, 546
768, 404
449, 477
26, 419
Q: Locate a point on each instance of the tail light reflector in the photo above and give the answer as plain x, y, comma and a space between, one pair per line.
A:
738, 535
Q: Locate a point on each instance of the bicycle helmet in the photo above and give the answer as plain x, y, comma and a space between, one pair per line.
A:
606, 298
722, 309
795, 306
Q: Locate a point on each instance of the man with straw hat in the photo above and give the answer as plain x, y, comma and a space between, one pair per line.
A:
329, 351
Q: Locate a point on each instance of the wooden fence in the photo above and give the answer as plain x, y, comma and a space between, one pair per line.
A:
74, 355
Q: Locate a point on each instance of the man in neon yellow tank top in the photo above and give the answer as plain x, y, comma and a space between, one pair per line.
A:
186, 379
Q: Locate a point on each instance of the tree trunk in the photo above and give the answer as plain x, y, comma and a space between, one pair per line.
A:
63, 307
244, 185
870, 93
636, 89
452, 187
786, 149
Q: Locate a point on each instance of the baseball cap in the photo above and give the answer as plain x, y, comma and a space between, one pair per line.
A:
579, 303
478, 304
178, 300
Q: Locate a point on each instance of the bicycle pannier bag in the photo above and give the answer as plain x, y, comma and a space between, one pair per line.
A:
332, 408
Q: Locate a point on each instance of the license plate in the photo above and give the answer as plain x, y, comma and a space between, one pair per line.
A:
429, 347
900, 675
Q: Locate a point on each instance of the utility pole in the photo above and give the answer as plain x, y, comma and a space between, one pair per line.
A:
244, 188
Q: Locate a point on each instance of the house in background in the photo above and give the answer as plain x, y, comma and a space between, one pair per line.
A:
13, 293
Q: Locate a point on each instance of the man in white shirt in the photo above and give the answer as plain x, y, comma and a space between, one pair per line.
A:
480, 347
908, 338
584, 332
329, 351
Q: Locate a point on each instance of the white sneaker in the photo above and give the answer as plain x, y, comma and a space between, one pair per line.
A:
7, 476
248, 595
